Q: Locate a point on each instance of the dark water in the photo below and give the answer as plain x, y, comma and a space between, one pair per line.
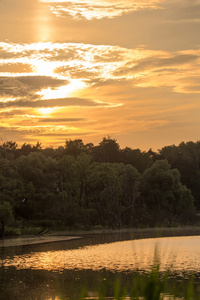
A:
62, 270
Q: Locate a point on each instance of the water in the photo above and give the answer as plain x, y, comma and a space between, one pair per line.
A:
62, 270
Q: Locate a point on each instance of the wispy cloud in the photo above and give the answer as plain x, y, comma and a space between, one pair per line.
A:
78, 66
27, 86
83, 89
60, 120
183, 11
127, 68
63, 102
98, 9
32, 134
154, 62
16, 68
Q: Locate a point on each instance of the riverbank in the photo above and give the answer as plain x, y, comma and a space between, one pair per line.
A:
133, 233
34, 240
136, 232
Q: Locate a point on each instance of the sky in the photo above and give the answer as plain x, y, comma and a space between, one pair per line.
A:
87, 69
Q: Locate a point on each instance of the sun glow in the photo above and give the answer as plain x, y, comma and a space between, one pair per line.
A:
63, 91
46, 110
44, 68
42, 23
96, 9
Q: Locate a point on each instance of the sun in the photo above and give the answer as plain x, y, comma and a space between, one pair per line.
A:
64, 91
44, 68
46, 110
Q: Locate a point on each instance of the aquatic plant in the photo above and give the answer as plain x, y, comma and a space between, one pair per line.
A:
155, 286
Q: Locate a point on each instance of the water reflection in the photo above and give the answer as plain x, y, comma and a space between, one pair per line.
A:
180, 254
70, 284
63, 270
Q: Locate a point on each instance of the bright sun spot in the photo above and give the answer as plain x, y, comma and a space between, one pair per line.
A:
63, 91
44, 68
46, 110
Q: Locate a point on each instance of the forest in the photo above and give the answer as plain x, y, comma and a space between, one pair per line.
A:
85, 186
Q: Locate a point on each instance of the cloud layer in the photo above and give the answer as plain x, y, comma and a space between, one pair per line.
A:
88, 68
57, 89
84, 65
96, 9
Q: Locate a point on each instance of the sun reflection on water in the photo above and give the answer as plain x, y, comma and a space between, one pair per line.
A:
178, 254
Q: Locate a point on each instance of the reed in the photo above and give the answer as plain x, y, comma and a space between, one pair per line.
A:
155, 286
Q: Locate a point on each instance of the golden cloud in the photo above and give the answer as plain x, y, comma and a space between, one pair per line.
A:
98, 9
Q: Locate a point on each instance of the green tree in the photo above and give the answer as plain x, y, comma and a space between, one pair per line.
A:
73, 174
6, 216
28, 148
186, 158
68, 185
138, 159
104, 192
9, 181
31, 168
8, 150
128, 193
108, 150
39, 175
164, 198
74, 147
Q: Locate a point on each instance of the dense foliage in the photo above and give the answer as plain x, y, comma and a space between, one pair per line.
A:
85, 185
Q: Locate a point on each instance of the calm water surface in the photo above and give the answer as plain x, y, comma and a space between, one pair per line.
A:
61, 271
182, 254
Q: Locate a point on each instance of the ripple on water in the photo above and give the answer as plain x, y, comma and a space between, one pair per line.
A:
180, 254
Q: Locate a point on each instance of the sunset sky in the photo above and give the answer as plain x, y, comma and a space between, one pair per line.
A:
86, 69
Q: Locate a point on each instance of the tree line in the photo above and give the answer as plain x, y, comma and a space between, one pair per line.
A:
82, 185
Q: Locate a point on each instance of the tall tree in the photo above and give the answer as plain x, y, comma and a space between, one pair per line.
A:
128, 194
6, 216
108, 150
138, 159
163, 195
104, 187
8, 149
74, 147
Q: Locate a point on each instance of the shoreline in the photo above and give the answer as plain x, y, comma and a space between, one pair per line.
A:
135, 233
34, 240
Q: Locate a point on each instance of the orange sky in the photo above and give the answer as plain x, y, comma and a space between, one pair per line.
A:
91, 68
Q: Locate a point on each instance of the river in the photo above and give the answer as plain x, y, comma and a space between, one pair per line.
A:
63, 270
